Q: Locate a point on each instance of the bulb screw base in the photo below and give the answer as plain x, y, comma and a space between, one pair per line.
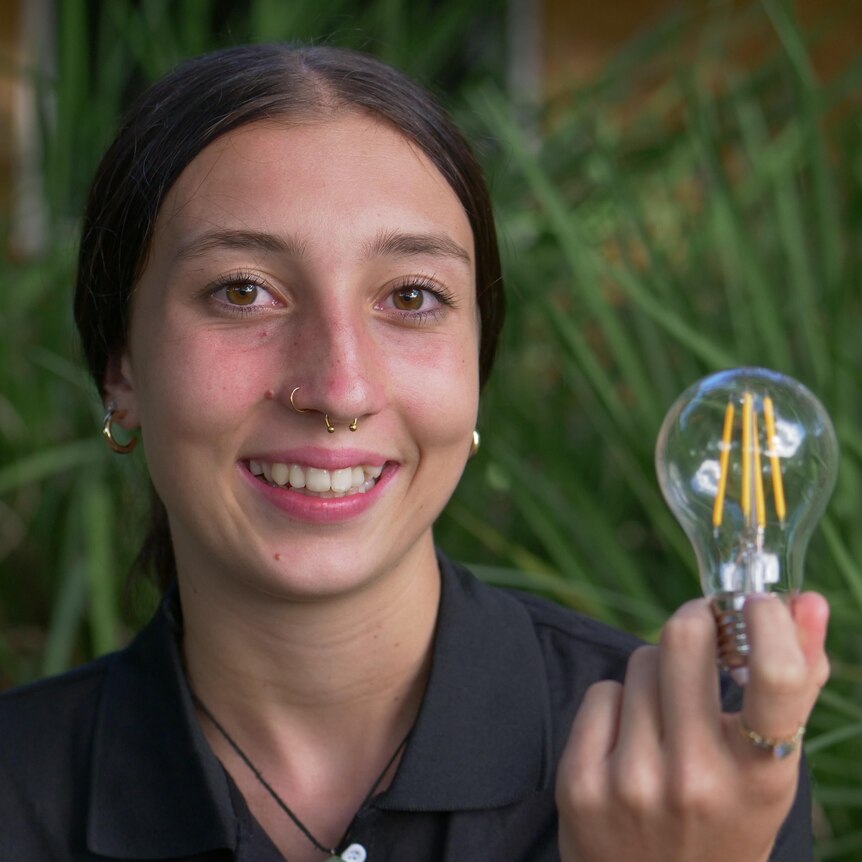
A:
733, 645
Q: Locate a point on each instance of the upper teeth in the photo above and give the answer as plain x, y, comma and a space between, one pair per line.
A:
348, 480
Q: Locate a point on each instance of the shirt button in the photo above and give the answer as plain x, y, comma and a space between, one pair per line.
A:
354, 853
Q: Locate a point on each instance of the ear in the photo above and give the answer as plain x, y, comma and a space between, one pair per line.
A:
119, 390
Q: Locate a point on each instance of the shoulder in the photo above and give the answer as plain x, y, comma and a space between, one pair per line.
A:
46, 701
537, 638
566, 627
47, 728
47, 720
563, 635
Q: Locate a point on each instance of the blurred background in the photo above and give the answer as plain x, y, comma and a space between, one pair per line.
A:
679, 189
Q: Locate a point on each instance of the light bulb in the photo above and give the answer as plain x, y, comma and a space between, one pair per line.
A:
747, 460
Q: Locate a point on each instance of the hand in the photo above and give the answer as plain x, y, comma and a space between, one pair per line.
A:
653, 770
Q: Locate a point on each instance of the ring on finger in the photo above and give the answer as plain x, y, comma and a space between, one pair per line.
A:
779, 746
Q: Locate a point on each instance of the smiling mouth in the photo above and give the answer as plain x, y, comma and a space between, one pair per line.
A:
316, 482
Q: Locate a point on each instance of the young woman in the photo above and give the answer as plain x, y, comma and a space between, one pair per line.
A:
289, 284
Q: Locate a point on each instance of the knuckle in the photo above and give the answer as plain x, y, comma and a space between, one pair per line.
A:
638, 787
693, 790
583, 792
780, 678
822, 671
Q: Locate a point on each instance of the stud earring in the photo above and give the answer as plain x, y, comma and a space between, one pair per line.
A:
107, 431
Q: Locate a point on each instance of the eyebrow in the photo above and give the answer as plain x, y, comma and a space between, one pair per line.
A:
398, 244
241, 239
387, 243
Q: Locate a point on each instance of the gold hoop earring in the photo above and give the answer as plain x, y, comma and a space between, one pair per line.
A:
292, 404
329, 426
107, 432
474, 443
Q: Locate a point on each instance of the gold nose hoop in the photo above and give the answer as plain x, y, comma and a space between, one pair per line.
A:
293, 403
329, 426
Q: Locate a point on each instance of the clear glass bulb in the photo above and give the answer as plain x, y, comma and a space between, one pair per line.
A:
747, 460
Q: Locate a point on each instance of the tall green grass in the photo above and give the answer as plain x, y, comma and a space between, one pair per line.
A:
681, 212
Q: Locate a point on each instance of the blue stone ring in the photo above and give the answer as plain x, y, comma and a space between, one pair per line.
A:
779, 747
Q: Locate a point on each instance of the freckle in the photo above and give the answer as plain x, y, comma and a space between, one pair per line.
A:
269, 394
277, 556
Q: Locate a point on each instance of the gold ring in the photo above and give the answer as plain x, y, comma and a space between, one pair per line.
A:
112, 413
292, 404
778, 747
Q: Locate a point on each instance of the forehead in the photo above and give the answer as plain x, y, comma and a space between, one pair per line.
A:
352, 171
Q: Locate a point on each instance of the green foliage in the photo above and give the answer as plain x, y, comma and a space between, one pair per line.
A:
680, 213
674, 217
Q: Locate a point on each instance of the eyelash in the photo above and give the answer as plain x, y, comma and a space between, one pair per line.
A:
441, 294
233, 279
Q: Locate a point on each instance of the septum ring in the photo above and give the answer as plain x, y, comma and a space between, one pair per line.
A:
329, 426
778, 747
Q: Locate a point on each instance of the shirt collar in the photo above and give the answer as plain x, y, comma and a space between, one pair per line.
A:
482, 738
158, 791
483, 735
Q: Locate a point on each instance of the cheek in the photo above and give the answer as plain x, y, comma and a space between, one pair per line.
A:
439, 385
199, 382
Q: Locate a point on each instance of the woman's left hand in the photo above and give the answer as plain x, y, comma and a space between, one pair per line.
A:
654, 770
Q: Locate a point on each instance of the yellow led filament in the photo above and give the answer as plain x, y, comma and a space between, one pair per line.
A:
752, 475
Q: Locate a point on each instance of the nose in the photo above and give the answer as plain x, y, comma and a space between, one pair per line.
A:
333, 367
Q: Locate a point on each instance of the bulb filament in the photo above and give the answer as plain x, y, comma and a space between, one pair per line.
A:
753, 498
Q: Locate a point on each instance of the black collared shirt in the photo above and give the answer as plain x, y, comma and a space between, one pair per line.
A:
108, 762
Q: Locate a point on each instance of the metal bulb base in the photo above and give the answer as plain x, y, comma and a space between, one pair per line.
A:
733, 645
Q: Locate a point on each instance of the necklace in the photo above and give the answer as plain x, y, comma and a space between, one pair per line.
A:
354, 853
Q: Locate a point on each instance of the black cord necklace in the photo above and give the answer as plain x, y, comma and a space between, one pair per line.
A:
359, 855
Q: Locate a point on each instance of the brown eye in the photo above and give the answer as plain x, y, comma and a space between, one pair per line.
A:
409, 298
241, 294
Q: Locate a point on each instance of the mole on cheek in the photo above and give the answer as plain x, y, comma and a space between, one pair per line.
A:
269, 395
277, 556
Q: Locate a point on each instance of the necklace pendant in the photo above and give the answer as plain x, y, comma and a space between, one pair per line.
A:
354, 853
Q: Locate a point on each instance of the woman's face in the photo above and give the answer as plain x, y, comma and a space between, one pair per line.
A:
330, 256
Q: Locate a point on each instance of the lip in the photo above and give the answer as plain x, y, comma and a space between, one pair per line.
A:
320, 457
319, 510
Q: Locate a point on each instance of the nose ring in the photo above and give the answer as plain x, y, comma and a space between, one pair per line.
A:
329, 426
293, 404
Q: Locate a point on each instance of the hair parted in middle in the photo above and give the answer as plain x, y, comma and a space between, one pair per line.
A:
207, 97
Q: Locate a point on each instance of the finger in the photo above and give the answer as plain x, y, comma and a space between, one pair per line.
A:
636, 767
690, 694
640, 714
810, 612
780, 691
595, 728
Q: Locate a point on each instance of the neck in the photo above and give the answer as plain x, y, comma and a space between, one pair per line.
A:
335, 669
